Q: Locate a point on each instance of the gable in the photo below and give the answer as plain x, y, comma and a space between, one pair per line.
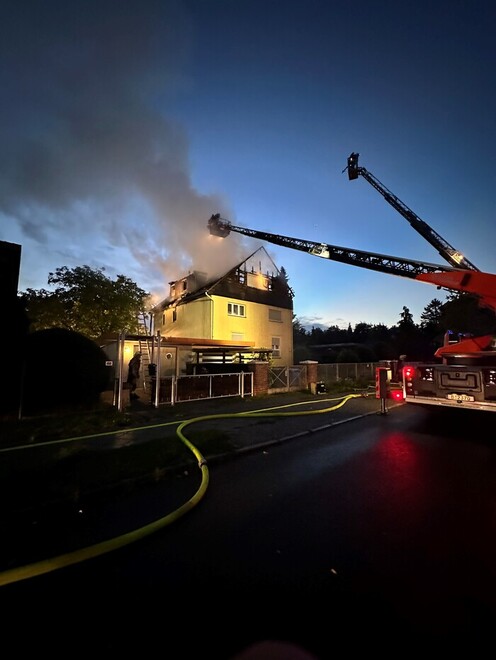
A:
254, 279
259, 262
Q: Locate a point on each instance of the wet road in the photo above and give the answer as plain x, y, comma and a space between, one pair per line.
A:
374, 536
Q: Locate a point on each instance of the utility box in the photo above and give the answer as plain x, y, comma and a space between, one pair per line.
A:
318, 388
383, 377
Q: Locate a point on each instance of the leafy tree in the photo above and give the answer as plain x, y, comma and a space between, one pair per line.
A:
361, 332
408, 337
462, 313
347, 355
317, 336
299, 331
86, 301
64, 370
301, 350
336, 335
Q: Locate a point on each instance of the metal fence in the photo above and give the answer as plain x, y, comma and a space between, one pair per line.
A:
354, 371
285, 379
175, 389
205, 386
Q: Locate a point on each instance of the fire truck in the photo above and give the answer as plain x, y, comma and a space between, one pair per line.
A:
463, 372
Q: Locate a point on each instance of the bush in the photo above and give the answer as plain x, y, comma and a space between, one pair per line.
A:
64, 369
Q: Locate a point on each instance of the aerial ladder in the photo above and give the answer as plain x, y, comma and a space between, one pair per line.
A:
471, 281
382, 263
481, 286
447, 251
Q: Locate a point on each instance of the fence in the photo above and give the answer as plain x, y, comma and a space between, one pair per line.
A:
355, 371
285, 379
205, 386
175, 389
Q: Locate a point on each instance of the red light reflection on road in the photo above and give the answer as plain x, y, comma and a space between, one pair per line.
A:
402, 468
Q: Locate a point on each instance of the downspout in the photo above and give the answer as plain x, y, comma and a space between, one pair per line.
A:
211, 315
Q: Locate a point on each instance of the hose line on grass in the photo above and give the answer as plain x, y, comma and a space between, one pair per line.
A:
75, 557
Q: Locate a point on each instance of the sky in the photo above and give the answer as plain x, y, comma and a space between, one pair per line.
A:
125, 125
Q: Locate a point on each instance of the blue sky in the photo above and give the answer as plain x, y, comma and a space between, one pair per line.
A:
125, 125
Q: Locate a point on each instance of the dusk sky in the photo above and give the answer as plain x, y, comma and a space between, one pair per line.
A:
125, 125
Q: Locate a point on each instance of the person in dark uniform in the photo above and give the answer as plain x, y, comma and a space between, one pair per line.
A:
133, 374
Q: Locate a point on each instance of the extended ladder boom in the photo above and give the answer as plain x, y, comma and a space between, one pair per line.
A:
447, 251
482, 285
382, 263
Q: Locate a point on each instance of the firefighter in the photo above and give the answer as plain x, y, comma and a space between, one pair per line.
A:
133, 374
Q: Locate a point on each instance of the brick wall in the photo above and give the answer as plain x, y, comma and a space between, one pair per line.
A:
260, 377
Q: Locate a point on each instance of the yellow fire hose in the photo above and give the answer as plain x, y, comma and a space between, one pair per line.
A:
47, 565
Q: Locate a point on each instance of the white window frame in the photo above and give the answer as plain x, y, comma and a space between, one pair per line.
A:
236, 309
276, 347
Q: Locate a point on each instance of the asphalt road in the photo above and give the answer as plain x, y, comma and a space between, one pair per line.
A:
373, 536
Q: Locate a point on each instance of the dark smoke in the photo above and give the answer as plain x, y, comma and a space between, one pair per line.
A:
86, 143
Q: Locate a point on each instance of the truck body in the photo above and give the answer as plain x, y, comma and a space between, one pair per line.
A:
451, 386
465, 377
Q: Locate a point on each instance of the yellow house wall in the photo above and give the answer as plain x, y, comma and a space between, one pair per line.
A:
209, 319
255, 326
192, 320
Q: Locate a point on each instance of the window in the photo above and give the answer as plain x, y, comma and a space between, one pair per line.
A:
275, 315
237, 336
276, 347
174, 316
233, 309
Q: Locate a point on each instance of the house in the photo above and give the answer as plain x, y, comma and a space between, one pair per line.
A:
245, 314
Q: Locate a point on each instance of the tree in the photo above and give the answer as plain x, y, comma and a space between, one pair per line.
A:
462, 313
86, 301
408, 337
64, 370
336, 335
431, 316
347, 355
281, 283
406, 319
431, 327
298, 329
362, 332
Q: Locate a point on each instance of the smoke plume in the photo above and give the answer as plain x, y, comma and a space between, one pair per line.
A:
94, 168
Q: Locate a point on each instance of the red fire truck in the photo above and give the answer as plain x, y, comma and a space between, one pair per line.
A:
463, 372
